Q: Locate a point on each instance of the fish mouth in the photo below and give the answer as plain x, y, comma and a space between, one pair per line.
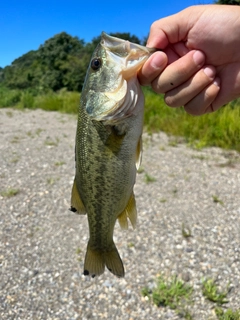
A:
130, 56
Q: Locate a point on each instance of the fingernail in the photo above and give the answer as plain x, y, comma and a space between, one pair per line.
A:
217, 82
210, 72
157, 61
198, 57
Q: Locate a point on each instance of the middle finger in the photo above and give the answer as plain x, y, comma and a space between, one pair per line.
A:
187, 91
179, 71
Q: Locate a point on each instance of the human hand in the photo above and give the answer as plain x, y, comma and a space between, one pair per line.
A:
199, 67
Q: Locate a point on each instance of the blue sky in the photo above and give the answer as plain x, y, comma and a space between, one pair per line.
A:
25, 24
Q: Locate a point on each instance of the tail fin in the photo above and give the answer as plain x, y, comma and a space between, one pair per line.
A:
95, 262
114, 262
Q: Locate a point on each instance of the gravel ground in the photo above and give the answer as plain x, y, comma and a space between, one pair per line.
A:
42, 243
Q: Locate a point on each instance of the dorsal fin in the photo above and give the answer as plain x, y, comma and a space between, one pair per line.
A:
139, 153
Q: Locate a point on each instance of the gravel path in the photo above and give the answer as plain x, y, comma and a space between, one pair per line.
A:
42, 243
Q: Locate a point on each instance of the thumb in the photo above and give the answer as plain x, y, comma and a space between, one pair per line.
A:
171, 29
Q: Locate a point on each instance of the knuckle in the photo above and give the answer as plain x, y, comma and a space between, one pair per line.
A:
157, 87
170, 101
154, 25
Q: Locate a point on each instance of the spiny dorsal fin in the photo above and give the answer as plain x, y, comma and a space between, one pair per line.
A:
76, 202
139, 153
130, 212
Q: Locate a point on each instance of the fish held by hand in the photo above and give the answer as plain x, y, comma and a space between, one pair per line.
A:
108, 148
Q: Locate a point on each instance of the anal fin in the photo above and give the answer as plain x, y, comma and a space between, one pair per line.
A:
130, 212
76, 202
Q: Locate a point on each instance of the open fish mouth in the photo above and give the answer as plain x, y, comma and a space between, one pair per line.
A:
130, 56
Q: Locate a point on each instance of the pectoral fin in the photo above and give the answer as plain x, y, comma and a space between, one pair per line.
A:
130, 212
76, 202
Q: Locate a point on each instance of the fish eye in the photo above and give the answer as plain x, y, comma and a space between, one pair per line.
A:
96, 63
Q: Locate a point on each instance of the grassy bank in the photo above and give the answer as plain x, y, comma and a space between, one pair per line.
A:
63, 101
222, 128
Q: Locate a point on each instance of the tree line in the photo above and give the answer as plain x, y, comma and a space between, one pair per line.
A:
61, 62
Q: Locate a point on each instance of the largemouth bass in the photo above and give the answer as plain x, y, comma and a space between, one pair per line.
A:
108, 148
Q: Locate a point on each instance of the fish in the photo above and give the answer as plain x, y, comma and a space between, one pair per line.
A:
108, 148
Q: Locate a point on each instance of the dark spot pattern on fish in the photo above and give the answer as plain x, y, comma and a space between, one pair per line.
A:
86, 273
73, 209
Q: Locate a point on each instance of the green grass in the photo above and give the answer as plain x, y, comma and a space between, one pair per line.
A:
177, 295
79, 252
8, 193
173, 293
217, 200
168, 292
220, 128
212, 293
59, 163
229, 314
52, 180
148, 178
51, 143
63, 101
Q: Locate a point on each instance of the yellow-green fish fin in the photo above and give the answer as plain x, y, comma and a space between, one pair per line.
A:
76, 202
130, 212
95, 262
114, 262
139, 153
122, 220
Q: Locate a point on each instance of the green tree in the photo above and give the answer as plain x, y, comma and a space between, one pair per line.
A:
58, 58
61, 62
231, 2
